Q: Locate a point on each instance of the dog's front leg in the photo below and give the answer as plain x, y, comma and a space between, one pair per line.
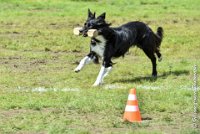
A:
99, 79
83, 62
105, 69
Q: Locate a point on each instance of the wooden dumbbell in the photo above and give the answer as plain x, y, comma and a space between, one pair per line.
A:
77, 30
90, 33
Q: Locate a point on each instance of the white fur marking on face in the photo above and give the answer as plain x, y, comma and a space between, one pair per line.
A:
83, 62
99, 48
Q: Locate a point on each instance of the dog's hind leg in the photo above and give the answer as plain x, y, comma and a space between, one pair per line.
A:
158, 54
152, 57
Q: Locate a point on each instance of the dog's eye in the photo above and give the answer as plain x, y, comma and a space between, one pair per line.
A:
87, 24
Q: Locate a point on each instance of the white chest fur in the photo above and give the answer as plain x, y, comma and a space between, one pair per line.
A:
99, 47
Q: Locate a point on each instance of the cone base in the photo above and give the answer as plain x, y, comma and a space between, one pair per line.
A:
132, 116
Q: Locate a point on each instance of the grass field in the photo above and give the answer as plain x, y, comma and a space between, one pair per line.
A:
40, 93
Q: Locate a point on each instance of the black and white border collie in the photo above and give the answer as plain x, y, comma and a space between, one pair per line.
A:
115, 42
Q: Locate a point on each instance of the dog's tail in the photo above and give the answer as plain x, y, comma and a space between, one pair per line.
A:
160, 33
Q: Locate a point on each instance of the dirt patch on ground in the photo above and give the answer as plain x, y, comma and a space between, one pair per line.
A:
13, 112
21, 64
26, 63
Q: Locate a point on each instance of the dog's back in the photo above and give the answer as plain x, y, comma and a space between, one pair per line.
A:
133, 33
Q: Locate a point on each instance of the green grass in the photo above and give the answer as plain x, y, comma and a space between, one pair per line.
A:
38, 50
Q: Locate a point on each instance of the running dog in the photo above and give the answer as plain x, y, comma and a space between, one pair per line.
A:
115, 42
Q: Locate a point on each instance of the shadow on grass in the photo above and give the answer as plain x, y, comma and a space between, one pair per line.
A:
152, 79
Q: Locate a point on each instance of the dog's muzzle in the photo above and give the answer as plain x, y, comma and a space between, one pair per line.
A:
83, 32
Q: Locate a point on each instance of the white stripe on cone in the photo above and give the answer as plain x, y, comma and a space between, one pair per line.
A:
131, 108
132, 97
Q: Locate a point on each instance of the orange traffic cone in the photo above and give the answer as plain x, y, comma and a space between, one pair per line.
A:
132, 112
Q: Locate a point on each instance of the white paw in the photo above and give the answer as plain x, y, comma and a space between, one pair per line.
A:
94, 85
77, 70
97, 84
160, 59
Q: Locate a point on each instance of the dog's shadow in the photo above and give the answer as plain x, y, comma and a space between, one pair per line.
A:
152, 79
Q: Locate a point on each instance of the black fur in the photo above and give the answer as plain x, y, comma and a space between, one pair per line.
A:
120, 39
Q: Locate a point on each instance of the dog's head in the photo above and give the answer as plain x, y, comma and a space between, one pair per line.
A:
93, 22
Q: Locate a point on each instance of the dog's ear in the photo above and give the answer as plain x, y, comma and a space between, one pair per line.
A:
102, 16
90, 14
